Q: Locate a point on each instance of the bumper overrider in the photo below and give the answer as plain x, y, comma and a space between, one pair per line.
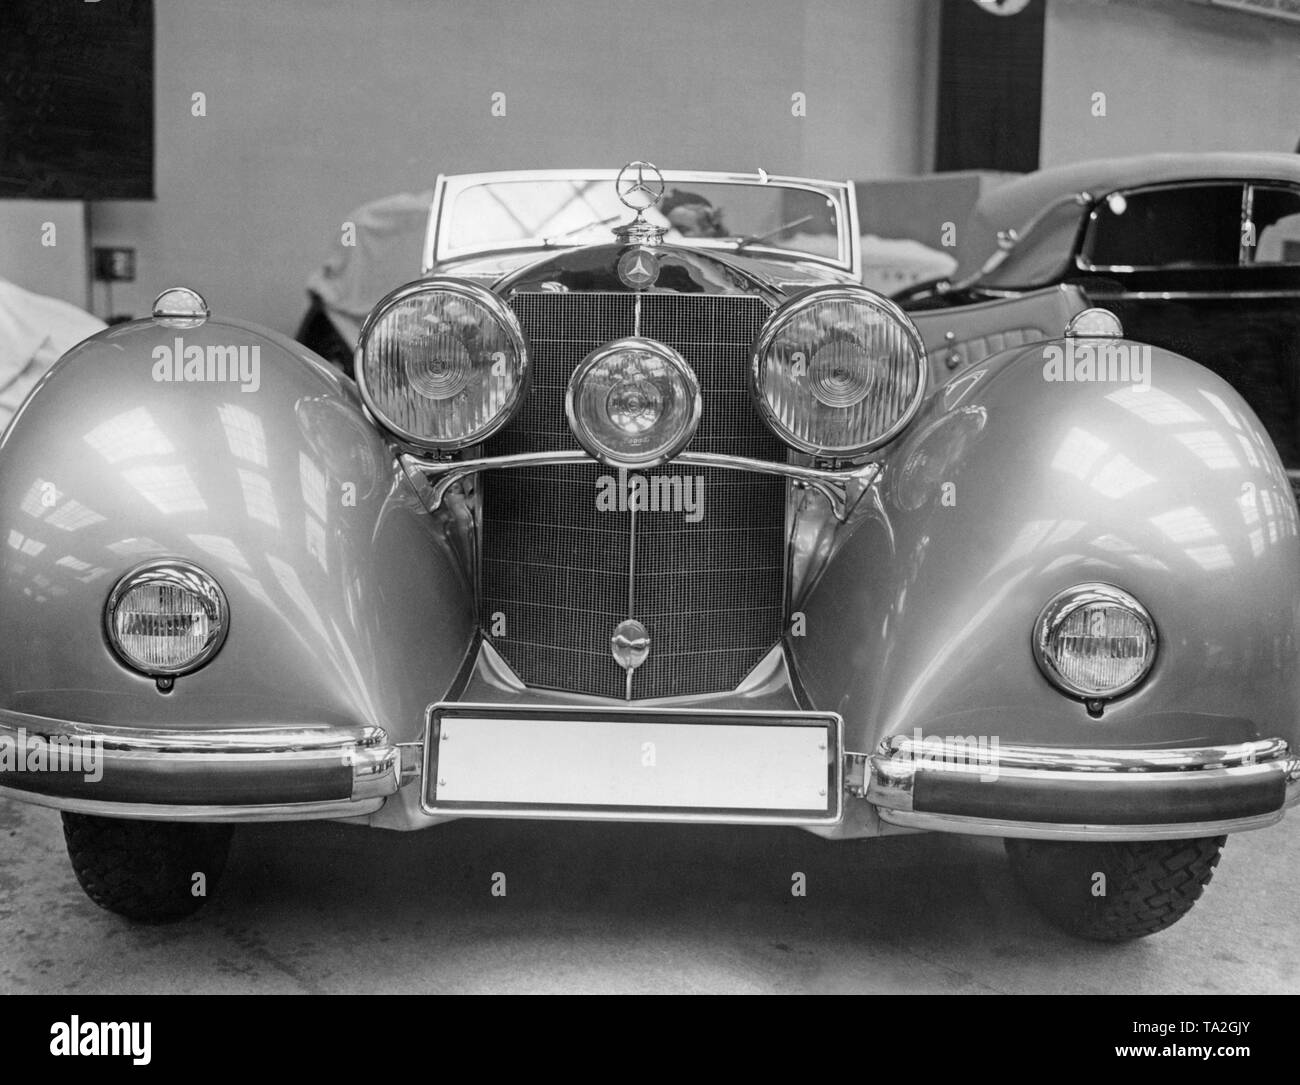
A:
652, 764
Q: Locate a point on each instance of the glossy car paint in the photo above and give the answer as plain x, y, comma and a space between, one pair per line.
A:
346, 605
1010, 488
1006, 489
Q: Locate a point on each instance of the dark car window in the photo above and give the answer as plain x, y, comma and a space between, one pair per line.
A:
1182, 226
1275, 213
1043, 252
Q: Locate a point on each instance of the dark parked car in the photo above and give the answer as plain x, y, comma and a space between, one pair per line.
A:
1197, 253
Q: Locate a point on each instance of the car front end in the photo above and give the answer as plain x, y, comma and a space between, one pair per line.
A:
673, 527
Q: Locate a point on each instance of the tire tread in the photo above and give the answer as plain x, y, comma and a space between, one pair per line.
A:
1150, 884
143, 870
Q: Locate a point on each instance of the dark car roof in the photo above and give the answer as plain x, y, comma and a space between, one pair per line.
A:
1013, 204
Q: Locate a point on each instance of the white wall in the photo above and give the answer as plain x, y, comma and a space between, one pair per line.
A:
59, 270
316, 106
1177, 76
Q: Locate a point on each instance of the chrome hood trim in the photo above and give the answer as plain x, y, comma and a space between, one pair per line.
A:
842, 489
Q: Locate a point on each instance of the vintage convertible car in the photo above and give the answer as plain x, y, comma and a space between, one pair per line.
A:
1198, 253
668, 524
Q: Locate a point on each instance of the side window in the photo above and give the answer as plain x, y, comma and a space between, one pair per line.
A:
1275, 213
1179, 226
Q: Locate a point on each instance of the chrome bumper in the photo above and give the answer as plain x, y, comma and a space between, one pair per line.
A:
306, 772
1065, 794
236, 774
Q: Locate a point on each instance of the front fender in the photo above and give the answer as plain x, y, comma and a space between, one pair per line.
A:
346, 607
1011, 487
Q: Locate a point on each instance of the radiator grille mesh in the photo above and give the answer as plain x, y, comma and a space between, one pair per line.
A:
557, 570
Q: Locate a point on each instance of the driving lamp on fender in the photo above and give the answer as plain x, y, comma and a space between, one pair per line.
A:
838, 372
166, 618
442, 363
1094, 641
633, 403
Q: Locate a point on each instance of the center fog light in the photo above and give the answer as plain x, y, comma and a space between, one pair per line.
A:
633, 403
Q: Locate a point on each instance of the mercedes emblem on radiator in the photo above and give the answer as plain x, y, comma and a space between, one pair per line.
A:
630, 645
638, 268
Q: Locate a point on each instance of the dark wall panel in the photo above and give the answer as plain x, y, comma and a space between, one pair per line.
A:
76, 99
990, 87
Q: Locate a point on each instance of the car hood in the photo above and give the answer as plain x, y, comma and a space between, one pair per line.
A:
682, 269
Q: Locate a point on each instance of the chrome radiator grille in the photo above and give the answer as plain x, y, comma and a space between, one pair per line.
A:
559, 573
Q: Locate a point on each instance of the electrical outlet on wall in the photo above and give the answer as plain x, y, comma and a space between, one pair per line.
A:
114, 265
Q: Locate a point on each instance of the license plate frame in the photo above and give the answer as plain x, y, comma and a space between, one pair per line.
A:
471, 768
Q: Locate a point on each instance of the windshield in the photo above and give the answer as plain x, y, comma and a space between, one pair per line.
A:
483, 214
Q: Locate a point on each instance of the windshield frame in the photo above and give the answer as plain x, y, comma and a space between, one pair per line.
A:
842, 195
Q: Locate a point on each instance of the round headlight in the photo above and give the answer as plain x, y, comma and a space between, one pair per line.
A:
1095, 641
633, 403
838, 371
166, 618
442, 363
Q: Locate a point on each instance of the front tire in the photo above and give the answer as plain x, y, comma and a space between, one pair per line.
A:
146, 871
1111, 891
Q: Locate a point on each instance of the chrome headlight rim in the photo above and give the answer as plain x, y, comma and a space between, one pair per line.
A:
499, 311
806, 300
619, 346
1064, 604
175, 572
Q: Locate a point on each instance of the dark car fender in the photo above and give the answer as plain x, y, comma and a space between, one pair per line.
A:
346, 606
1011, 487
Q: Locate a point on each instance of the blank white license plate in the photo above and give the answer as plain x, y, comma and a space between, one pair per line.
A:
635, 762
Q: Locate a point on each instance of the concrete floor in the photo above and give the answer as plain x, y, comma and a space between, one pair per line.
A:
625, 908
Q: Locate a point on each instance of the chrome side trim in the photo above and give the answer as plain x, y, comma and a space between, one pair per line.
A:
1190, 295
842, 489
